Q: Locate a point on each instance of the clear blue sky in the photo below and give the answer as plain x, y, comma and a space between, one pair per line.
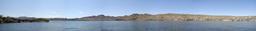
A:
81, 8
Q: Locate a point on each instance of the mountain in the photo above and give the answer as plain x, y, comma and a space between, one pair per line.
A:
170, 17
99, 18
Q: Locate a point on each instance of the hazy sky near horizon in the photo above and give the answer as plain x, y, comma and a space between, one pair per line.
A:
81, 8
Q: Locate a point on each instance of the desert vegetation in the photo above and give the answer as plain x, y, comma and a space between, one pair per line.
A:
7, 19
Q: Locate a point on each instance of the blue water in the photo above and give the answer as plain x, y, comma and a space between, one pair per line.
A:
129, 26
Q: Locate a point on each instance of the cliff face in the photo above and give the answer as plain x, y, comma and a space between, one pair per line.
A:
169, 17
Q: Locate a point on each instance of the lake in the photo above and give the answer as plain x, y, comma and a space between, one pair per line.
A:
129, 26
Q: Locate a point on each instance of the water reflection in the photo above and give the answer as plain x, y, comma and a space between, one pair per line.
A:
129, 26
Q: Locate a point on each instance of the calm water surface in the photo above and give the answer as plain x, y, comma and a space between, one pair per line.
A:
129, 26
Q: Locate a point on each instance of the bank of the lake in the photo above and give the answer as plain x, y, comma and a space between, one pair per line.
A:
21, 19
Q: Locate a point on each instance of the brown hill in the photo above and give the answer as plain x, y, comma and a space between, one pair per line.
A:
170, 17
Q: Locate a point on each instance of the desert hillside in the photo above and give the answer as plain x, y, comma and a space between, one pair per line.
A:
171, 17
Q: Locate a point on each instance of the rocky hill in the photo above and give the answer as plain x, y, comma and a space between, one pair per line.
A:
170, 17
99, 18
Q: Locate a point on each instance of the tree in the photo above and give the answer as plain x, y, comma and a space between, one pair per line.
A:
1, 20
1, 16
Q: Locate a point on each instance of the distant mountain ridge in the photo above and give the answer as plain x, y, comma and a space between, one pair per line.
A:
169, 17
137, 17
